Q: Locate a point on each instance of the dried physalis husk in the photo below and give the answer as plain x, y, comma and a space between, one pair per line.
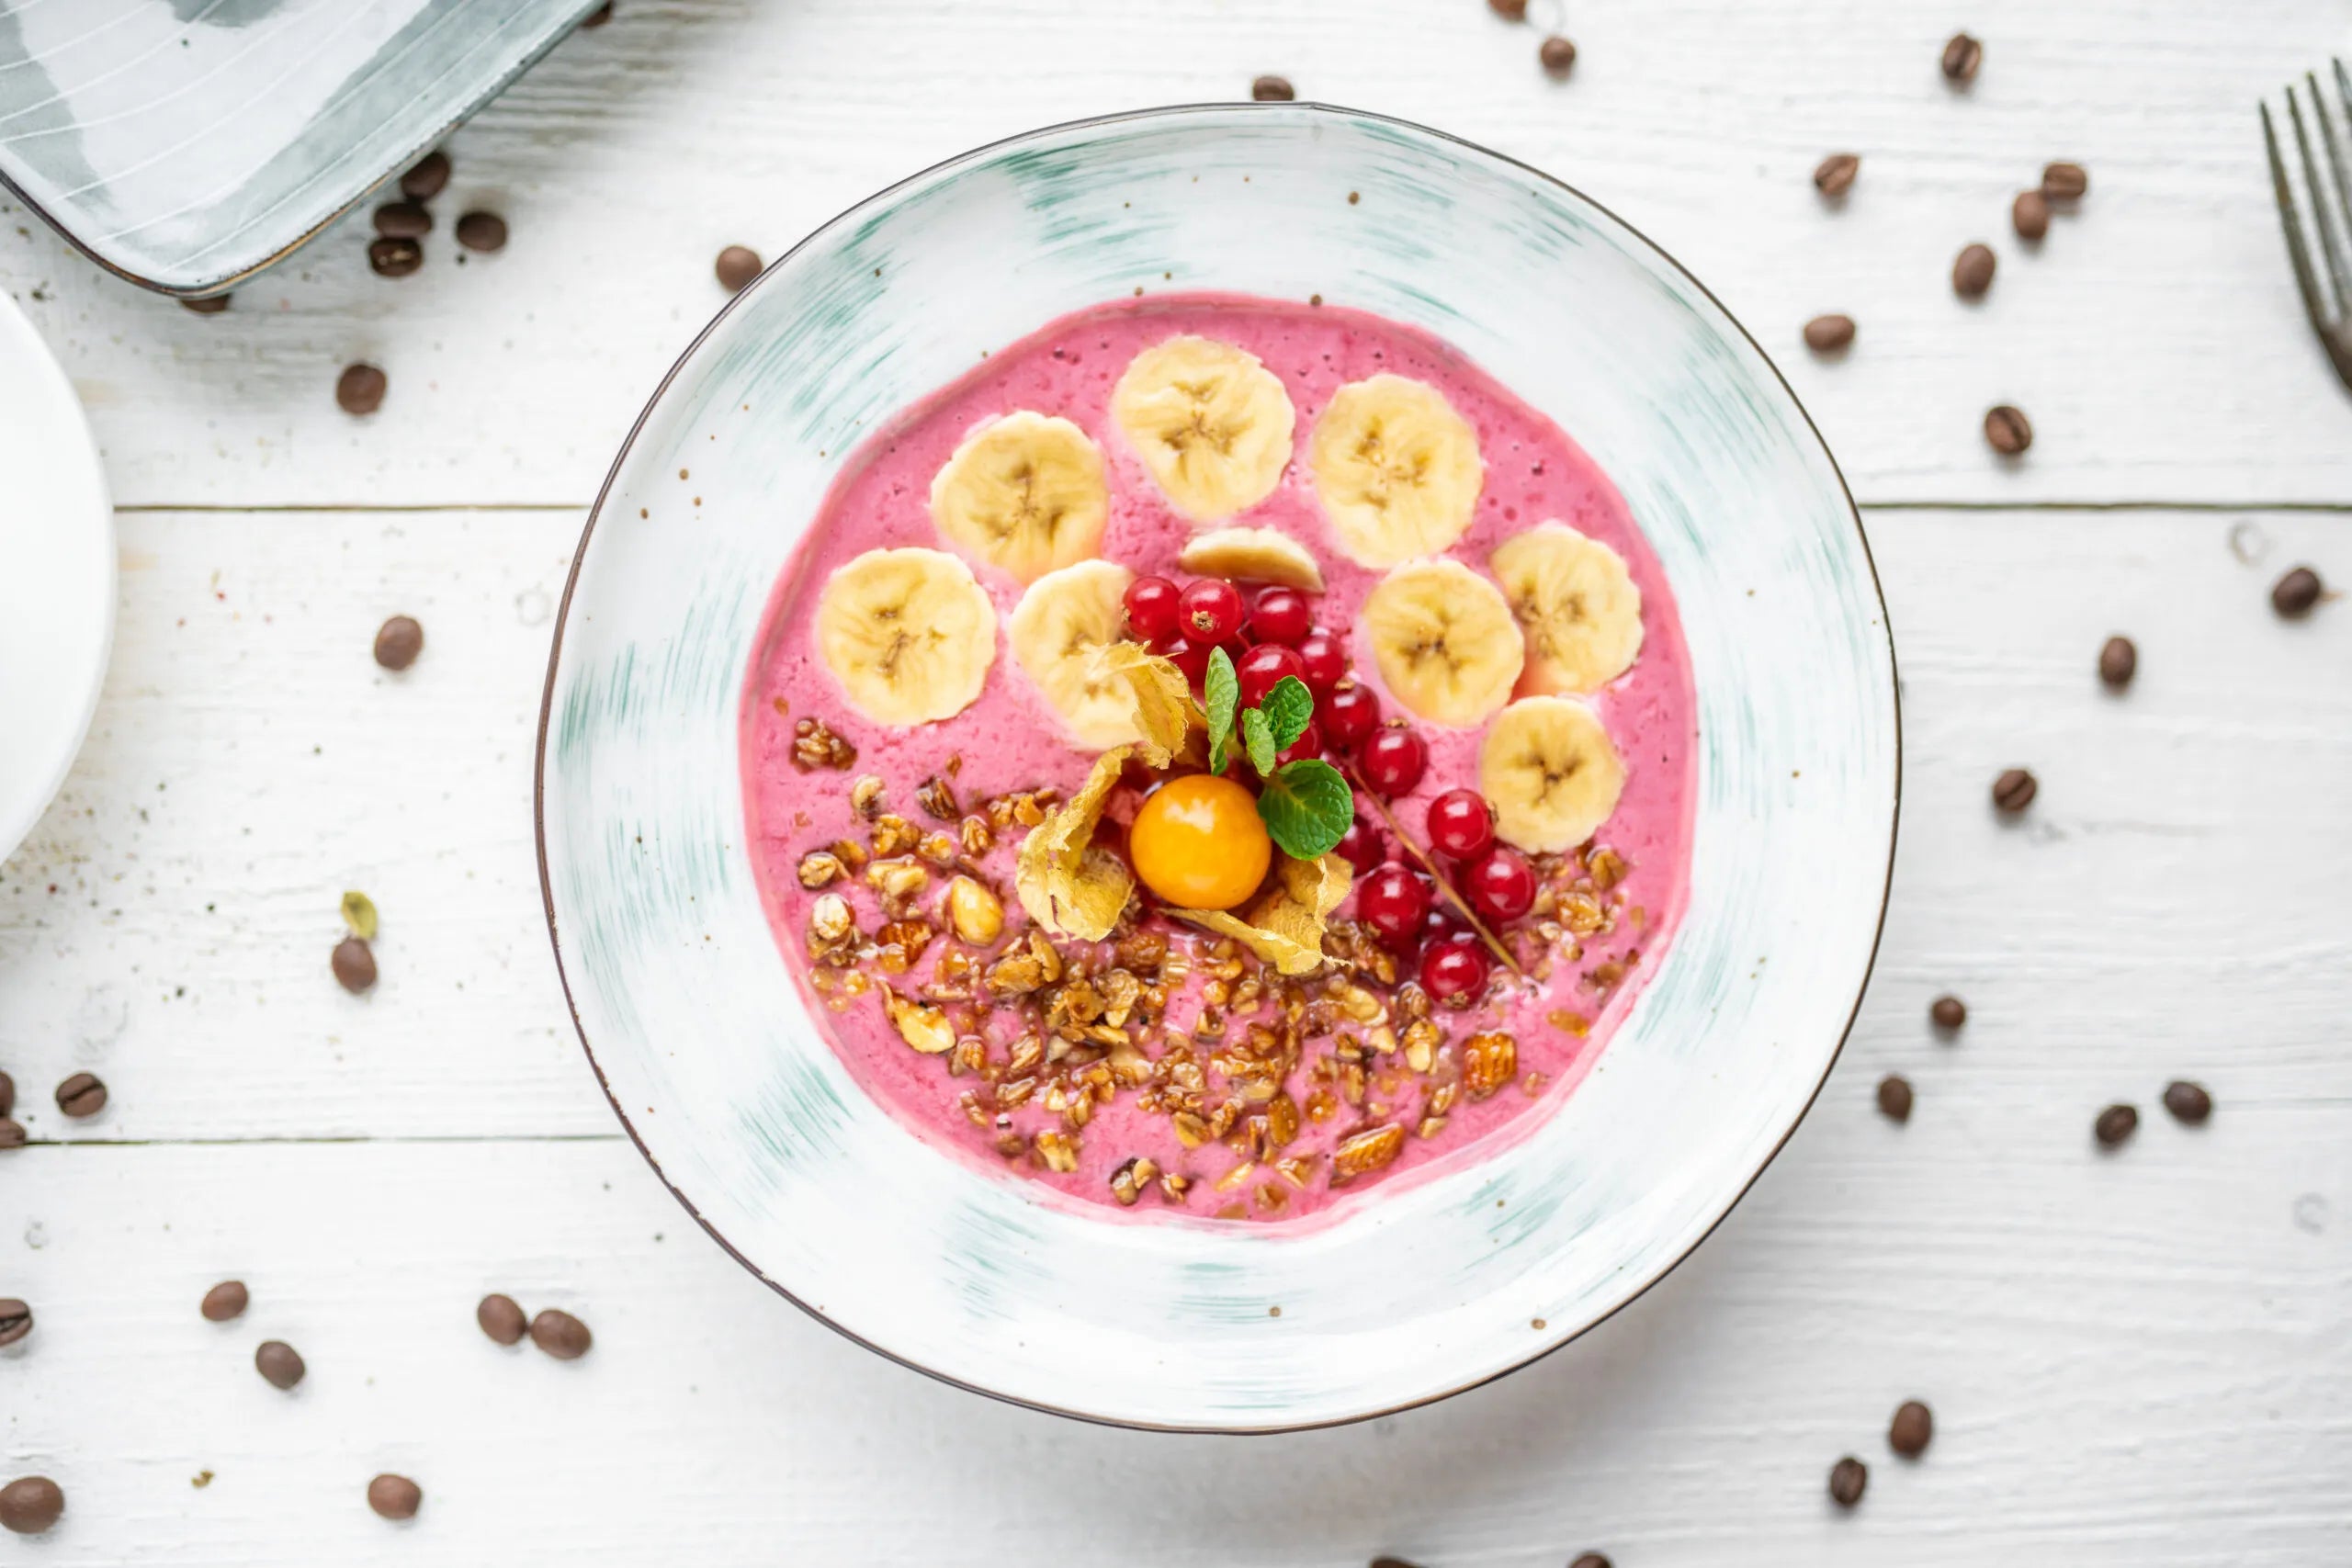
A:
359, 914
1284, 927
1163, 700
1068, 886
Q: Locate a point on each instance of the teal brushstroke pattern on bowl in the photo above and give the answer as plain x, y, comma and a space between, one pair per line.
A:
701, 1036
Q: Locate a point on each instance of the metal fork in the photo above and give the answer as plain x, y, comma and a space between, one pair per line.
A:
2333, 327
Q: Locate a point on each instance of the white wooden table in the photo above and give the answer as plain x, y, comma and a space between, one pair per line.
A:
2141, 1357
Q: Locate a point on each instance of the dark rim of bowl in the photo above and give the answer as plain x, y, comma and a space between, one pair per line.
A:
1308, 111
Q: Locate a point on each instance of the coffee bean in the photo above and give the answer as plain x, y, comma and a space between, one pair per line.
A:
1847, 1479
1971, 271
1827, 334
224, 1300
360, 388
2115, 1123
1590, 1559
599, 17
395, 1497
2064, 182
1272, 90
2007, 430
394, 258
501, 1319
1894, 1097
7, 1094
403, 220
1963, 55
1948, 1012
12, 1134
15, 1320
277, 1363
424, 182
398, 642
82, 1095
1392, 1562
1836, 175
2189, 1102
30, 1503
737, 265
1911, 1428
1509, 10
2117, 660
482, 232
2029, 214
355, 964
2294, 595
1558, 55
561, 1335
2014, 790
211, 306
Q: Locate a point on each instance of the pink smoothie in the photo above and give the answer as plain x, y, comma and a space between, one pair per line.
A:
1010, 741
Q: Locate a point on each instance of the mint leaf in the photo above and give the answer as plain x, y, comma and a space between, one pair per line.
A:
1307, 808
1258, 735
1288, 708
1222, 691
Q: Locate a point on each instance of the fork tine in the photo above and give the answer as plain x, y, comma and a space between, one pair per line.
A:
2333, 252
2298, 252
2334, 149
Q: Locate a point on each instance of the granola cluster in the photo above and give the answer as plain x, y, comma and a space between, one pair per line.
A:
1241, 1061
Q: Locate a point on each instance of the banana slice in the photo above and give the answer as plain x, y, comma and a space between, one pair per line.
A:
1252, 554
1211, 422
1551, 773
1397, 470
908, 634
1060, 632
1024, 493
1444, 641
1576, 603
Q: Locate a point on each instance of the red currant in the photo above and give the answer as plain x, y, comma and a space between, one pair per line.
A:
1281, 615
1309, 744
1261, 668
1192, 658
1351, 714
1151, 608
1454, 972
1210, 611
1363, 847
1326, 659
1502, 886
1393, 762
1462, 825
1392, 901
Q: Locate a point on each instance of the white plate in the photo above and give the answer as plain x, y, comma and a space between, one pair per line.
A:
56, 577
700, 1035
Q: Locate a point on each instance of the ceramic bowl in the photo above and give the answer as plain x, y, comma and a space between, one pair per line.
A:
699, 1035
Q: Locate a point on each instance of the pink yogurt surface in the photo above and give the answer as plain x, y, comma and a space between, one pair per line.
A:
1010, 741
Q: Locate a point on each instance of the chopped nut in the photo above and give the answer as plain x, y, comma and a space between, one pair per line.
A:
1421, 1044
821, 867
1235, 1178
1271, 1198
1282, 1120
894, 835
976, 914
900, 883
1582, 913
937, 796
1607, 868
1174, 1187
1190, 1131
829, 924
925, 1028
1360, 1004
938, 849
1057, 1152
865, 797
1361, 1152
1046, 954
815, 746
977, 837
1567, 1023
1128, 1182
850, 853
909, 937
1488, 1062
1430, 1126
1297, 1170
1142, 951
1028, 1055
971, 1056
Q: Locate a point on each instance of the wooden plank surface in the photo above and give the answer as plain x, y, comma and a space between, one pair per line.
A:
2155, 339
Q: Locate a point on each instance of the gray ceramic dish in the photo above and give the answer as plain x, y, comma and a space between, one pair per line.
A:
187, 144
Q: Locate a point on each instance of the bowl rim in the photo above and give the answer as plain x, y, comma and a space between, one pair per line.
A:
1309, 110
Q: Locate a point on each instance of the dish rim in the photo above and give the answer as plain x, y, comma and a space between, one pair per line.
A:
1173, 111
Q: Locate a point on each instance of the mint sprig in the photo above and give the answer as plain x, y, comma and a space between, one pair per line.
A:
1288, 708
1258, 739
1222, 691
1307, 808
